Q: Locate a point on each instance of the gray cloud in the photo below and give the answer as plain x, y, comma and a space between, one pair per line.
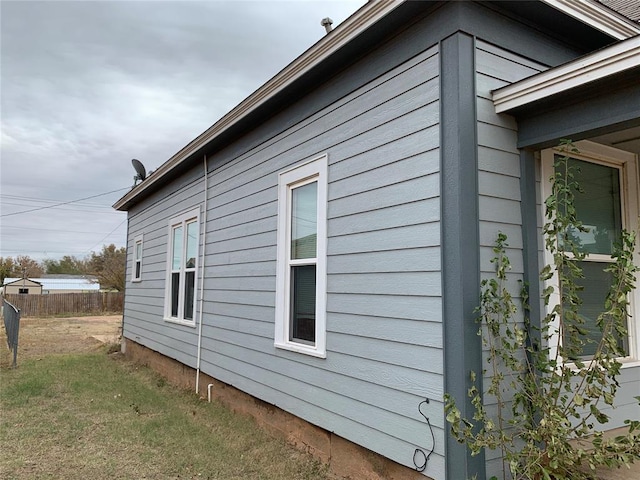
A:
86, 86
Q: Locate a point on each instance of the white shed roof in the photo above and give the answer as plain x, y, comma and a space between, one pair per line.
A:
61, 283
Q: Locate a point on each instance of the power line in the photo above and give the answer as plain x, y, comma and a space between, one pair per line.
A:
59, 230
63, 203
107, 236
22, 198
23, 203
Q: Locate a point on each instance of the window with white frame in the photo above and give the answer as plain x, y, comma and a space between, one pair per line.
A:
182, 263
301, 264
137, 259
606, 204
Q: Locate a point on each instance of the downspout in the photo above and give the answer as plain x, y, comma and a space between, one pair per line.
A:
204, 246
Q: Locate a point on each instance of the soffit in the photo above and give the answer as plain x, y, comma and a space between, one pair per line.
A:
608, 62
628, 139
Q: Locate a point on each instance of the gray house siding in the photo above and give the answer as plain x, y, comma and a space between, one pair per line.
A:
499, 178
384, 312
386, 123
144, 301
384, 333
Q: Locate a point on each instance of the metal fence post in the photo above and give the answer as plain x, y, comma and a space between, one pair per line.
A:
12, 327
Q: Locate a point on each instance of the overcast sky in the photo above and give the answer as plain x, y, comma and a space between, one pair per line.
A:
86, 86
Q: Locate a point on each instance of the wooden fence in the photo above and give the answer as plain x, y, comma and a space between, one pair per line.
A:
95, 303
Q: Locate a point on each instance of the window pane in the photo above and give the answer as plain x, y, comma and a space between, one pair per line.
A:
192, 245
177, 248
138, 266
304, 208
596, 284
138, 251
190, 278
303, 303
597, 205
175, 291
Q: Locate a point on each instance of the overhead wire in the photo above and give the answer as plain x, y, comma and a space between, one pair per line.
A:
107, 236
58, 230
62, 203
7, 198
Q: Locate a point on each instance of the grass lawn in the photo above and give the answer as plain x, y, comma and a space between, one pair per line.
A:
91, 415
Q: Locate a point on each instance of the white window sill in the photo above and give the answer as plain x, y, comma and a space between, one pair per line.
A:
299, 348
630, 363
626, 363
184, 323
136, 280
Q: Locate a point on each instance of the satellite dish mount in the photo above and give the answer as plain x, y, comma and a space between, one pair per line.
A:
141, 173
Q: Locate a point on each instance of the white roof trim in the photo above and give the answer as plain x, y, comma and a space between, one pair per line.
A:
360, 21
598, 16
603, 63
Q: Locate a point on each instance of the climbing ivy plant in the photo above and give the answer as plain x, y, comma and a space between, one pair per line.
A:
548, 398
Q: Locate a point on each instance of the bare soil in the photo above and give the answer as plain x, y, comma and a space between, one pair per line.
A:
40, 337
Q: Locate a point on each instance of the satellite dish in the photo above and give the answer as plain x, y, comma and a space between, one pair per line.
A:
141, 172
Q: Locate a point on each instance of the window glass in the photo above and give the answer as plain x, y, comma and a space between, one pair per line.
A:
182, 260
192, 245
137, 260
597, 206
303, 303
175, 292
190, 279
177, 248
304, 207
595, 286
301, 295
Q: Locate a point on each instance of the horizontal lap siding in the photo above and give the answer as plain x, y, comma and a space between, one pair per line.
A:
499, 177
144, 301
384, 332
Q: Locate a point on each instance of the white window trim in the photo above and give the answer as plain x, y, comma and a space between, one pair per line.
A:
137, 240
314, 170
630, 184
181, 219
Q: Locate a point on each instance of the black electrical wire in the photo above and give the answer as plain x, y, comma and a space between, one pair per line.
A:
62, 203
107, 236
419, 453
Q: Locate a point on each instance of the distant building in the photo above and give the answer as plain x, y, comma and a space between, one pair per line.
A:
51, 284
22, 285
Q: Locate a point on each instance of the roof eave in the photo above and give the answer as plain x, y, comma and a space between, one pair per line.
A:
596, 66
360, 21
587, 11
598, 16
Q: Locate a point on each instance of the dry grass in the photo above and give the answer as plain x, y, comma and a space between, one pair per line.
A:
40, 337
92, 415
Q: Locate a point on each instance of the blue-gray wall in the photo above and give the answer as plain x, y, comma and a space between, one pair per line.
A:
499, 180
379, 121
144, 301
384, 311
383, 290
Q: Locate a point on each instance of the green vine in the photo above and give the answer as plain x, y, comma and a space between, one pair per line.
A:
548, 397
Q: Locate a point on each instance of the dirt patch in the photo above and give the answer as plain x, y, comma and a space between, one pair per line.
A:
40, 337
